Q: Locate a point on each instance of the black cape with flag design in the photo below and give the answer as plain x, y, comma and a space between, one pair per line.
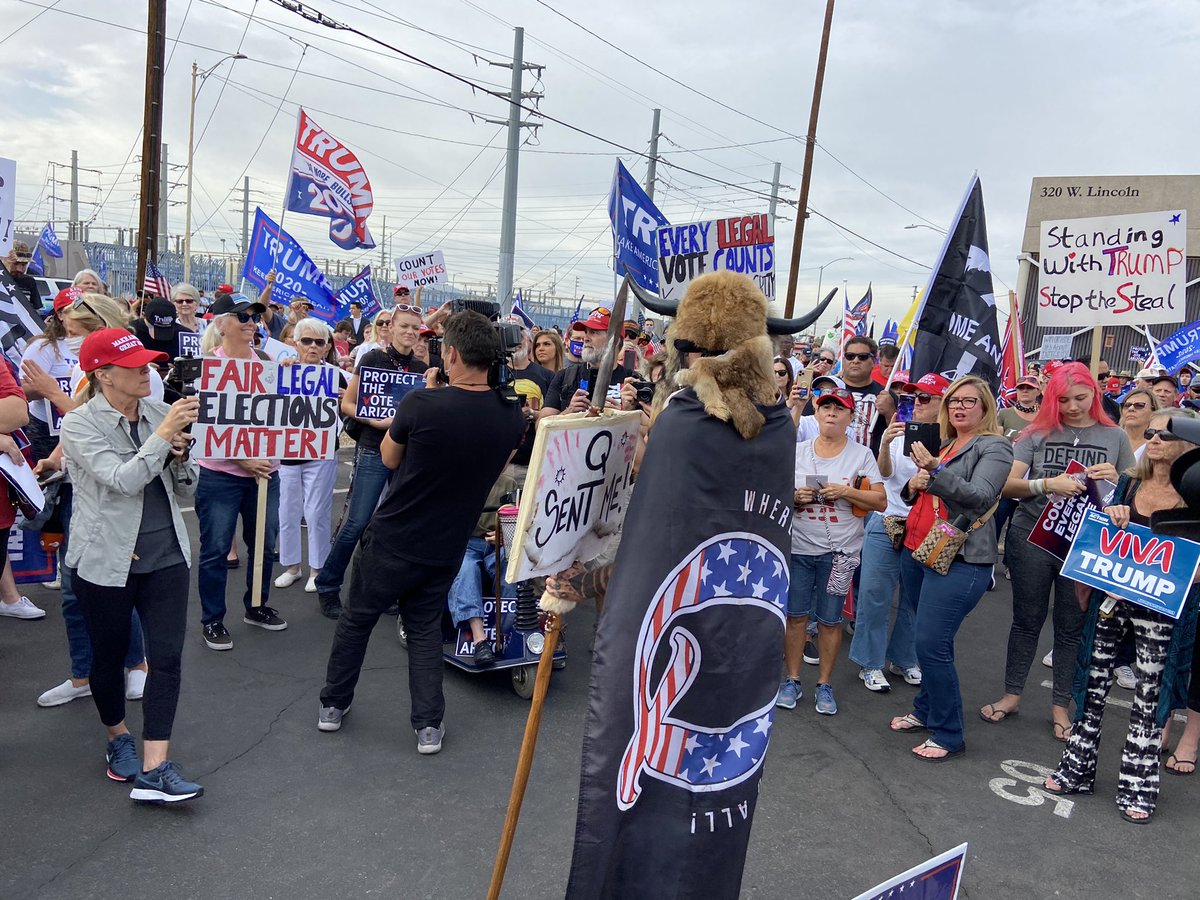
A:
957, 333
686, 663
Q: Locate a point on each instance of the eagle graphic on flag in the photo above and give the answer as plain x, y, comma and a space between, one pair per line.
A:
328, 180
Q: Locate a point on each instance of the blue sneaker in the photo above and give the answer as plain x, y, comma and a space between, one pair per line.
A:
789, 692
164, 784
826, 705
123, 762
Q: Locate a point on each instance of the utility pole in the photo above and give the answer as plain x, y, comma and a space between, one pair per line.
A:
156, 53
163, 190
774, 197
508, 220
246, 216
71, 229
810, 145
652, 168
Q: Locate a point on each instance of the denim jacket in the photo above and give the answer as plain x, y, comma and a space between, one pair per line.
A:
109, 473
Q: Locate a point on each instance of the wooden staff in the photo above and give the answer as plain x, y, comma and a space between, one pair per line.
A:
260, 535
525, 759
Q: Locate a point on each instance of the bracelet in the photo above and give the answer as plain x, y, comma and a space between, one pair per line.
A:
939, 468
1037, 487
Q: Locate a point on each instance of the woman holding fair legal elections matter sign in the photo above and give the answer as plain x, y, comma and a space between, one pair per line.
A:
1162, 649
1070, 425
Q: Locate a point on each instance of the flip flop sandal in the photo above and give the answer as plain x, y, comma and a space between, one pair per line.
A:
1063, 790
1179, 760
997, 711
1128, 818
1062, 733
933, 745
908, 723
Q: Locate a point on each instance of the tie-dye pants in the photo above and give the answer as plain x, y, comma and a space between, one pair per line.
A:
1137, 786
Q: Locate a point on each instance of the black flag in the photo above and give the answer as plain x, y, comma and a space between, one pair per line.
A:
687, 662
957, 332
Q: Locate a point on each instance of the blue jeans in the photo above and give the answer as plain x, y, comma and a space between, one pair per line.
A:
466, 593
807, 594
943, 601
79, 642
220, 499
367, 483
873, 603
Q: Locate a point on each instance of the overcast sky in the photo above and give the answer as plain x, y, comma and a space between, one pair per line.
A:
918, 94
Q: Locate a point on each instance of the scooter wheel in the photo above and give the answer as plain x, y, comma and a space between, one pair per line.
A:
523, 678
401, 634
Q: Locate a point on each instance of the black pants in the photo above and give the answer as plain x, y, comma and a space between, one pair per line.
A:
161, 600
379, 578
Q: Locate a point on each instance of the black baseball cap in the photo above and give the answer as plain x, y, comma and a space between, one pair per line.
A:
235, 303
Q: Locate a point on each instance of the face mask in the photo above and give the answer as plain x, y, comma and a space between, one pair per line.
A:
74, 344
575, 348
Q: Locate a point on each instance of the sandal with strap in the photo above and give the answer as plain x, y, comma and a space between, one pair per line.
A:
1125, 814
1174, 762
907, 722
1063, 789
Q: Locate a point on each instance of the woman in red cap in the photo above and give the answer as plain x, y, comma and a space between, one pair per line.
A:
128, 455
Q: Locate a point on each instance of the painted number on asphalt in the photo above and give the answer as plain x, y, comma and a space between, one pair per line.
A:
1034, 794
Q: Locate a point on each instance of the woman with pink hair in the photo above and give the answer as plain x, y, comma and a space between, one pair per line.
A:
1071, 425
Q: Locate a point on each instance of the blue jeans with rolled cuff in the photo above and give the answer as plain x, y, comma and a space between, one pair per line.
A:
880, 574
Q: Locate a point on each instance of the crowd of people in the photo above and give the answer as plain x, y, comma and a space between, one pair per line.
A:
904, 536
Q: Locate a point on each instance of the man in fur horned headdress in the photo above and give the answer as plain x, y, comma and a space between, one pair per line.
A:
688, 646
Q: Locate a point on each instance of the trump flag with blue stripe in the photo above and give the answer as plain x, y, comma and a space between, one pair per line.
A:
687, 661
634, 219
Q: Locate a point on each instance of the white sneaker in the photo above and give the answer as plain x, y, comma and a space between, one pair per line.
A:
135, 684
1048, 660
911, 675
1125, 677
55, 585
310, 586
874, 680
287, 579
22, 609
64, 693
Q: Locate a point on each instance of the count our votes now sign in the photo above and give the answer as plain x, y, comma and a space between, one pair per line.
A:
1113, 270
256, 409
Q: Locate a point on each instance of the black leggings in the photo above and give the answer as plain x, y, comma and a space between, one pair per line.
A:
161, 600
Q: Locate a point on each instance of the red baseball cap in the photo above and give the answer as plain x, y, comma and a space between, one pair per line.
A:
930, 383
900, 378
1052, 366
837, 395
116, 347
66, 297
597, 321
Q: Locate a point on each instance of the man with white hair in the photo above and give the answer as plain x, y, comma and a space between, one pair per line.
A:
522, 363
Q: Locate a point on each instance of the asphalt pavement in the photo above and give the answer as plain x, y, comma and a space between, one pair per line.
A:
290, 812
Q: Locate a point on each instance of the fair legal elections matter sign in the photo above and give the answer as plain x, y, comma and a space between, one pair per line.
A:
1113, 270
256, 409
575, 491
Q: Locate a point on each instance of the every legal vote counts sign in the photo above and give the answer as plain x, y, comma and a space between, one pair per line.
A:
575, 491
254, 409
1133, 563
743, 244
1113, 270
380, 390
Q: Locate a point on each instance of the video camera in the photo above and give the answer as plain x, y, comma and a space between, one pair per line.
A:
1185, 478
500, 373
185, 372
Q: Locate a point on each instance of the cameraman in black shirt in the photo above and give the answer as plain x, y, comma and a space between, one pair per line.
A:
448, 447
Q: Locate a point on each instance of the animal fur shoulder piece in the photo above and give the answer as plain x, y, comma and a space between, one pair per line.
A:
730, 385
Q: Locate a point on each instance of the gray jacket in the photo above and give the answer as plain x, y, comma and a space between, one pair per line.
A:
109, 473
968, 486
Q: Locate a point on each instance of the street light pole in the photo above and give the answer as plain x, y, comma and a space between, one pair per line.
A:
197, 76
821, 272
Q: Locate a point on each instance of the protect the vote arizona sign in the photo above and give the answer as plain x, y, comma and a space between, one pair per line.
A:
256, 409
1113, 270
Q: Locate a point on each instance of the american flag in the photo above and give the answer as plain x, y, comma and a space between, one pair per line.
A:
155, 282
936, 879
737, 569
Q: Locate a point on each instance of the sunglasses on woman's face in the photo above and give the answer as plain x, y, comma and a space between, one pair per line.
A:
243, 318
405, 307
825, 359
1136, 405
383, 323
313, 342
923, 398
781, 373
1161, 433
180, 301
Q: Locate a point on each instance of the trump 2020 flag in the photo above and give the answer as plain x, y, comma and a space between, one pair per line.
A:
957, 333
634, 218
360, 290
687, 661
297, 275
328, 180
49, 240
936, 879
518, 310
